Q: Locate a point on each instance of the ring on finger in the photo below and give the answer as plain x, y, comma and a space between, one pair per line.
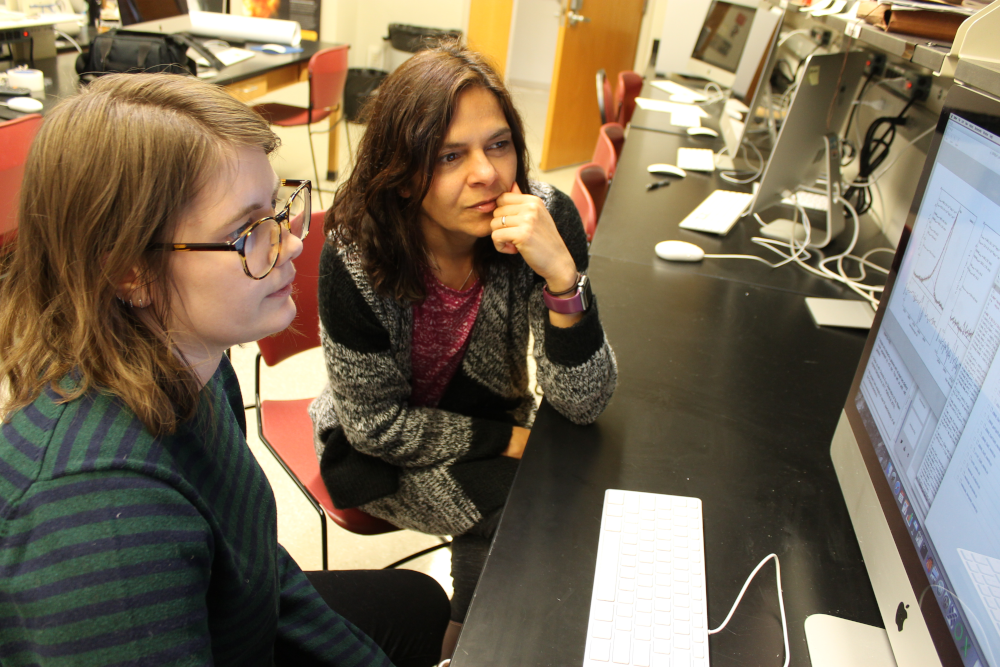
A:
503, 220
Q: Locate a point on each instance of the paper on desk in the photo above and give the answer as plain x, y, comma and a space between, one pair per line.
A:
679, 93
668, 107
685, 119
696, 159
229, 56
840, 313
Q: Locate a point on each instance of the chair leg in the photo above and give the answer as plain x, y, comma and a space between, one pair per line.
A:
312, 151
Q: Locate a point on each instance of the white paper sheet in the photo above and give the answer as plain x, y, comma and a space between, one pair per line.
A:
669, 107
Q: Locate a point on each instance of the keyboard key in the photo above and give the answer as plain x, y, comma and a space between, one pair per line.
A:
645, 620
660, 660
643, 633
640, 654
682, 614
624, 624
682, 628
632, 503
601, 631
625, 610
626, 597
644, 593
612, 523
602, 611
600, 649
622, 648
680, 659
644, 606
614, 497
661, 646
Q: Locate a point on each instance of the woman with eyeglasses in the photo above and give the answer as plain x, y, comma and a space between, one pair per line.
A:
449, 260
135, 524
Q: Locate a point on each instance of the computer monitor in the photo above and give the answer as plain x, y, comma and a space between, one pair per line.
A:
734, 131
808, 144
138, 11
917, 449
732, 43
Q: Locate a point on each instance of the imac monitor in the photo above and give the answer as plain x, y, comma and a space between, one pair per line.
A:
139, 11
917, 449
734, 131
732, 43
818, 111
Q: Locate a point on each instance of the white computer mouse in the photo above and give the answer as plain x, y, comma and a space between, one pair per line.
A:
702, 132
666, 170
273, 48
679, 251
24, 104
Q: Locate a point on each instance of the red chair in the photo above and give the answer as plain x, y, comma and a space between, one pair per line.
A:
605, 99
15, 137
590, 186
327, 76
610, 140
629, 86
284, 426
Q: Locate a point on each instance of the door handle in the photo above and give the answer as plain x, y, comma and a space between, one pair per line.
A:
575, 18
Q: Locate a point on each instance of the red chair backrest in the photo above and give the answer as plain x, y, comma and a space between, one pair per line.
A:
327, 77
15, 138
605, 97
629, 87
610, 140
590, 186
303, 334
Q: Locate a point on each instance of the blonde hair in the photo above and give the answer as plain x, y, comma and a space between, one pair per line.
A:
110, 172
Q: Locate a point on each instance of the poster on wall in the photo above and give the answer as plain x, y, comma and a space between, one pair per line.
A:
306, 12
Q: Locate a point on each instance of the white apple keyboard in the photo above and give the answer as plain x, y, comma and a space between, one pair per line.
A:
718, 212
648, 607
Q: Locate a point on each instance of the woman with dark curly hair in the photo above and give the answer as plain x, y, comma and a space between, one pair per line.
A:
444, 261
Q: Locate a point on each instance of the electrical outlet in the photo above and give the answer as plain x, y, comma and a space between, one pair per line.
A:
821, 36
917, 86
875, 64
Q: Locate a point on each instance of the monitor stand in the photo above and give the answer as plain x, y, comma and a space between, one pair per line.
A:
837, 642
784, 230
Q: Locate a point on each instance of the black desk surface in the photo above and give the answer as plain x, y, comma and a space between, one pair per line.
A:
634, 221
727, 391
62, 80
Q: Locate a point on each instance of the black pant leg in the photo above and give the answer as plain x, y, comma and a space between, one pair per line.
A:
403, 611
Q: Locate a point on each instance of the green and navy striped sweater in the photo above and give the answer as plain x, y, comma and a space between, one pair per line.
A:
118, 548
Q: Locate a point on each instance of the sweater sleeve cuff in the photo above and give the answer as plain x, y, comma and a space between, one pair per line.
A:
489, 439
573, 346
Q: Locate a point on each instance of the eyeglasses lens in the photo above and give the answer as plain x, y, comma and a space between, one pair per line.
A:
264, 242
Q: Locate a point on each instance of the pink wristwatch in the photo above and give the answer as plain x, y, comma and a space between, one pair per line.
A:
577, 303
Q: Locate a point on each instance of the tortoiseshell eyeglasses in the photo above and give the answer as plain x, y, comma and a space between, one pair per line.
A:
260, 243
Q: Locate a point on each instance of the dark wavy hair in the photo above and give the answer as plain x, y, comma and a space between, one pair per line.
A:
377, 209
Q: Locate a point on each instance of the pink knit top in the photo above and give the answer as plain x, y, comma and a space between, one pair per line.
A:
441, 327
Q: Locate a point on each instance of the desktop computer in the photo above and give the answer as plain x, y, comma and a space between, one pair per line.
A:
808, 144
917, 448
732, 43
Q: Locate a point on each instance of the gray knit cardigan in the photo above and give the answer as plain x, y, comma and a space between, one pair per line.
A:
439, 470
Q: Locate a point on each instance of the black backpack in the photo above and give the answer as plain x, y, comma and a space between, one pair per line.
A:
131, 51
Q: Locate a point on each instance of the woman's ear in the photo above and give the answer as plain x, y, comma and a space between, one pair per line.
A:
133, 291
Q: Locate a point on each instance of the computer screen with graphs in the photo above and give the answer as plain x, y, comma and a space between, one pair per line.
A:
925, 408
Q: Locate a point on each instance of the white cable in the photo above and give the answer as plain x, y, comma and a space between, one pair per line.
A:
781, 603
729, 177
801, 31
68, 39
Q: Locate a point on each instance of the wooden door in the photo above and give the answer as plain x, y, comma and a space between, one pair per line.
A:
489, 29
608, 40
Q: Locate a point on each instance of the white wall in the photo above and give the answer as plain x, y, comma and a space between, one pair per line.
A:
532, 53
363, 23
